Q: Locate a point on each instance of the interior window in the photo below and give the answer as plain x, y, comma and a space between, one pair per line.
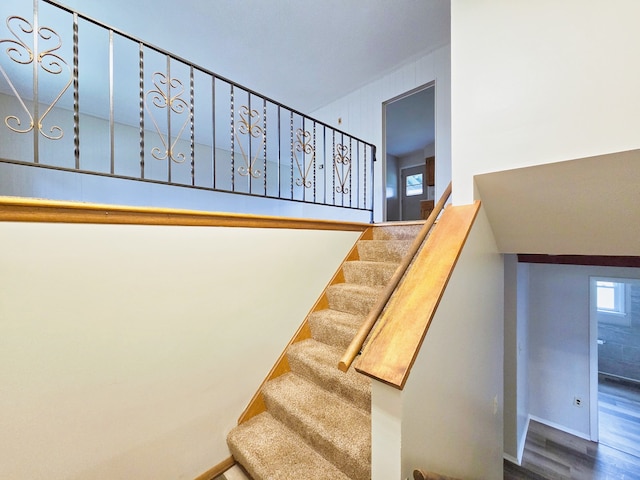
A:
414, 185
610, 297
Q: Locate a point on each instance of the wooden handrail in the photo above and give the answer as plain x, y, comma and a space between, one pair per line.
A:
395, 342
356, 344
20, 209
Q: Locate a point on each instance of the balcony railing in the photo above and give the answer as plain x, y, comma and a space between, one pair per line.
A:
76, 95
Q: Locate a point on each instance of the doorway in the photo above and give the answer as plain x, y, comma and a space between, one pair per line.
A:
615, 363
409, 140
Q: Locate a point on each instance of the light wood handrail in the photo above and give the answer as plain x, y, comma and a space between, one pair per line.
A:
398, 335
20, 209
356, 344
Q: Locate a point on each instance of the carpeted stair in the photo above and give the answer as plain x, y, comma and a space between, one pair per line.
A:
317, 422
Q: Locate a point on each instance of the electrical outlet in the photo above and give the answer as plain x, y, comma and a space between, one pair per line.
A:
577, 401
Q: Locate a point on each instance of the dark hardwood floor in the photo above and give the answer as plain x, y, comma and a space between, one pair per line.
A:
552, 454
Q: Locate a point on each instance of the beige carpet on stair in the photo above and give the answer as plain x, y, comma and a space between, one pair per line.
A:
318, 419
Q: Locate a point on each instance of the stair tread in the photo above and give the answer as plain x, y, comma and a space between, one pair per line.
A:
334, 327
318, 362
339, 430
352, 297
372, 263
397, 231
268, 450
383, 250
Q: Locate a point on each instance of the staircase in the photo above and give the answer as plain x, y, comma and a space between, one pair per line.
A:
317, 422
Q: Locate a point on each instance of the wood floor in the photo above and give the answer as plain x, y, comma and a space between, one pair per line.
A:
552, 454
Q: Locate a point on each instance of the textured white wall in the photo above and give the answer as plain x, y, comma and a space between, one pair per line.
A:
516, 387
538, 82
361, 112
130, 351
452, 404
522, 349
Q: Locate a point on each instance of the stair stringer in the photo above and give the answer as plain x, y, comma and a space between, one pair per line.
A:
257, 405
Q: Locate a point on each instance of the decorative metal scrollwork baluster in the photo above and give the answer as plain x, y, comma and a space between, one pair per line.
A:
162, 99
342, 157
304, 146
253, 130
20, 52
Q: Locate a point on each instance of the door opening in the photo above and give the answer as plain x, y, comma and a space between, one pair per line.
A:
409, 144
615, 362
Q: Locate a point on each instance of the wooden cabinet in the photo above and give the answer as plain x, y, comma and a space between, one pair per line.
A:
426, 207
431, 171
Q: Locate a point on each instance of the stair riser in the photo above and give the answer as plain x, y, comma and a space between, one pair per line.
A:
368, 273
333, 380
399, 232
357, 304
381, 251
330, 451
270, 451
332, 334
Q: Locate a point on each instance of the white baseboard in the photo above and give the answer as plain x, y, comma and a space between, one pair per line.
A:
521, 443
511, 459
523, 440
562, 428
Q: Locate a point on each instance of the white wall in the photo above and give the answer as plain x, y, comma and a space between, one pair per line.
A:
124, 350
516, 340
361, 112
392, 189
538, 82
453, 401
448, 418
559, 348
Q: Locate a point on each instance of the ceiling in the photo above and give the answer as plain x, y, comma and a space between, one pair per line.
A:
588, 206
304, 53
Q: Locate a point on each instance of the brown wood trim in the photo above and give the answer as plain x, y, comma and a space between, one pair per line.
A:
217, 470
398, 336
588, 260
256, 404
363, 332
17, 209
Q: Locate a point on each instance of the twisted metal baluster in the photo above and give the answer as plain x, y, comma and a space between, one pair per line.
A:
233, 141
333, 170
264, 145
76, 95
192, 133
314, 162
292, 155
324, 163
364, 196
141, 108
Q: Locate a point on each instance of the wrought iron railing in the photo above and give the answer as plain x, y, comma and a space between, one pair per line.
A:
77, 95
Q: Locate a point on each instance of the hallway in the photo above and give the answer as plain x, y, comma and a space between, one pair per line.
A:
552, 454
